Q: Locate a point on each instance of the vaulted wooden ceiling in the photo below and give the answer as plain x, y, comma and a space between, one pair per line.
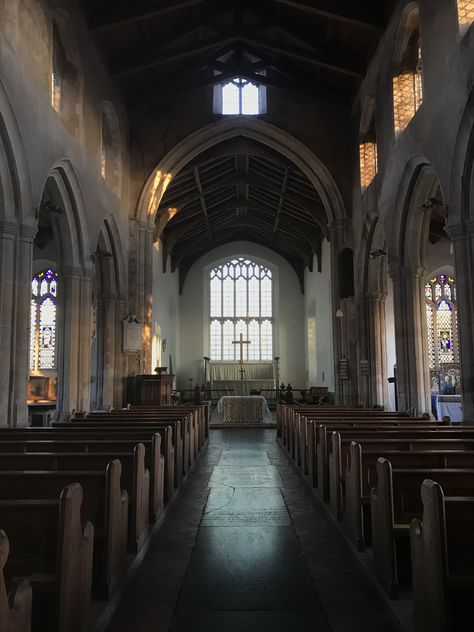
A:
159, 51
241, 190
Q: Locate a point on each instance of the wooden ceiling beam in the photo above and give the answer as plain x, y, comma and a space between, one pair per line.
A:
163, 57
138, 15
346, 13
202, 201
322, 59
281, 202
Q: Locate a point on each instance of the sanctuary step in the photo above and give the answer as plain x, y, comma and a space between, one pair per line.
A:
246, 546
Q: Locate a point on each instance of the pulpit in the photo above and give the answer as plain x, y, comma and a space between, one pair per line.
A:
155, 389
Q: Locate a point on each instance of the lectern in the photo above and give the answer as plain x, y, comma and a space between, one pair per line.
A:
155, 389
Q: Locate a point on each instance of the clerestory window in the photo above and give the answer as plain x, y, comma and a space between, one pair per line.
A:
240, 97
465, 14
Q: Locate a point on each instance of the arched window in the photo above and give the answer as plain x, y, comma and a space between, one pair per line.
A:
368, 146
465, 14
442, 328
241, 303
110, 149
408, 81
240, 97
66, 78
44, 291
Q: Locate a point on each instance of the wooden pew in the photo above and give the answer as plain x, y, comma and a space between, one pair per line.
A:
394, 503
161, 466
105, 505
123, 429
360, 476
50, 548
339, 457
15, 605
443, 561
402, 443
135, 479
190, 418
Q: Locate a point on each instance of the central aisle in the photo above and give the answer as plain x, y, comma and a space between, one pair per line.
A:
246, 546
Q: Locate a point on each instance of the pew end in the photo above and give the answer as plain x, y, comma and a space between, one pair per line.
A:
16, 604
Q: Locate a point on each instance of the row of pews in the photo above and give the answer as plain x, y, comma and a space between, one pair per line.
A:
403, 490
78, 501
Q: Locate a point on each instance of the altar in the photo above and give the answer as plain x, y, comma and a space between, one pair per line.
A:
242, 379
253, 409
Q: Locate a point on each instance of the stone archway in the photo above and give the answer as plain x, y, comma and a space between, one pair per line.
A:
17, 229
408, 237
65, 216
273, 137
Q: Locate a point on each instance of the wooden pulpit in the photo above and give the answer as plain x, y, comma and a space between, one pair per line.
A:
155, 389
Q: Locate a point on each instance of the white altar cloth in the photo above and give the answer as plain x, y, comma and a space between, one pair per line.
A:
252, 409
449, 406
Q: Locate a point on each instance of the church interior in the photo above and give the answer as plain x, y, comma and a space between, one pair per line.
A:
236, 315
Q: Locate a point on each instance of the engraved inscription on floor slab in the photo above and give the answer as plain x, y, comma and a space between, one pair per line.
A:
246, 476
241, 506
244, 457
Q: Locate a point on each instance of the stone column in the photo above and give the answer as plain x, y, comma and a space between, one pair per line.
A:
74, 365
21, 325
462, 236
15, 294
372, 350
141, 279
410, 336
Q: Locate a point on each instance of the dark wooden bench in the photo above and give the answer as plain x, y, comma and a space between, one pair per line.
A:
125, 429
443, 561
360, 476
135, 479
15, 604
161, 466
51, 548
105, 505
395, 501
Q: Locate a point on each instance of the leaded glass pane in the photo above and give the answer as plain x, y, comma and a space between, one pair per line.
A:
246, 295
228, 338
216, 340
44, 288
266, 334
444, 317
250, 99
216, 297
33, 326
47, 334
430, 332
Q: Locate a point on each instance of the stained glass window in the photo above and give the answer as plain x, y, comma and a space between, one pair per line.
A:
442, 324
368, 163
44, 287
465, 14
408, 88
241, 303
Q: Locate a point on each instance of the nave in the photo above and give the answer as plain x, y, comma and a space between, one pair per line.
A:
245, 545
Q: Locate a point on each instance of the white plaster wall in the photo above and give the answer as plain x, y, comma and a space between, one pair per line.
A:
165, 323
390, 341
319, 354
288, 312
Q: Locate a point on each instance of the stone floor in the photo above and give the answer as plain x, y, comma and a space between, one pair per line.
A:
246, 546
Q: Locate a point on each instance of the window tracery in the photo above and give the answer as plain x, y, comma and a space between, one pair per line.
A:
241, 303
407, 84
241, 97
43, 306
442, 328
465, 14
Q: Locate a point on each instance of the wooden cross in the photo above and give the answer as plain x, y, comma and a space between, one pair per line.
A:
241, 342
242, 371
